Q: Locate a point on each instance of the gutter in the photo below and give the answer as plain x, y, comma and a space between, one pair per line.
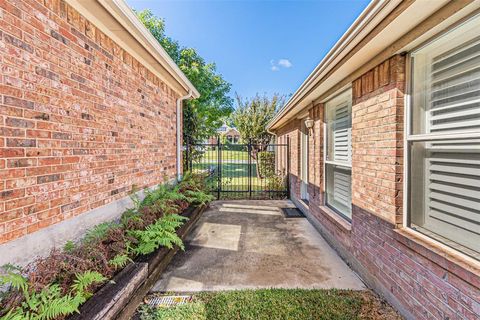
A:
179, 132
362, 25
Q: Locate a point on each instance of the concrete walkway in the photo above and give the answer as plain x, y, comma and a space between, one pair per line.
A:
249, 244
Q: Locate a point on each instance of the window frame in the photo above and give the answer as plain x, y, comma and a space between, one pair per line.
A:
337, 95
410, 138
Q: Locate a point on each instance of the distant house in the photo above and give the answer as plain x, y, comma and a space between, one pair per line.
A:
230, 133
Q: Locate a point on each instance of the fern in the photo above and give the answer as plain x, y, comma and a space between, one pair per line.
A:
163, 192
120, 261
14, 279
198, 197
49, 303
84, 280
99, 231
160, 234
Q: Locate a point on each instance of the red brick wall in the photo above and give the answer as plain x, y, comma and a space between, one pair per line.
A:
425, 283
81, 121
291, 133
377, 140
418, 277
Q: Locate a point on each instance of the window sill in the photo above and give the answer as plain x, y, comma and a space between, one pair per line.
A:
459, 264
336, 218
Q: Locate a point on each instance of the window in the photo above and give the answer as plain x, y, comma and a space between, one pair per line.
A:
338, 162
444, 139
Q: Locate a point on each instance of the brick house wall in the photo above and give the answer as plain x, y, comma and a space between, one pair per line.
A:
290, 134
419, 279
82, 123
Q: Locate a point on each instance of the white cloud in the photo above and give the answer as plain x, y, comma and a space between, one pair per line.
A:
281, 63
284, 63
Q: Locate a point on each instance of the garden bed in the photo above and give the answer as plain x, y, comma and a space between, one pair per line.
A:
119, 298
112, 266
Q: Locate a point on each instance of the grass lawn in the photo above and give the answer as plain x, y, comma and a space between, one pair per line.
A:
277, 304
234, 175
226, 155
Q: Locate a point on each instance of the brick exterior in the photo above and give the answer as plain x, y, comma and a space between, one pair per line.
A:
377, 140
81, 121
418, 278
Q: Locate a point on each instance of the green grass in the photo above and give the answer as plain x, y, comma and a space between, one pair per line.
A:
234, 175
277, 304
226, 155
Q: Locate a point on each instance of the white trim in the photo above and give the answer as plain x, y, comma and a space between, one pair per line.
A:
406, 131
443, 136
340, 164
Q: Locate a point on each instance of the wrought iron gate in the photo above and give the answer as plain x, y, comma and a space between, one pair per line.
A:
241, 171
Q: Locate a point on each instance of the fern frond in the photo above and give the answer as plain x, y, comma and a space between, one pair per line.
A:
13, 278
84, 280
120, 261
162, 233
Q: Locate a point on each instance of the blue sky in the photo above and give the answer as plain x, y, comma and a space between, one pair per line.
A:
258, 46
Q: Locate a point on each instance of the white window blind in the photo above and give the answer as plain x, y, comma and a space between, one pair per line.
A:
342, 134
339, 154
445, 173
455, 89
342, 186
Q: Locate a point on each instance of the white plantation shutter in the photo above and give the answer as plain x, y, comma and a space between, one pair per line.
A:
453, 191
339, 154
445, 198
455, 93
342, 135
342, 186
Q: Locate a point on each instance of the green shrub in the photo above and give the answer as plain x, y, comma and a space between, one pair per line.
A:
266, 164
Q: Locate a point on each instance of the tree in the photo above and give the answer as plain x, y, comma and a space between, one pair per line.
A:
202, 116
251, 118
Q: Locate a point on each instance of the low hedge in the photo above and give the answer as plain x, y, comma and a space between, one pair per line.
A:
266, 164
55, 286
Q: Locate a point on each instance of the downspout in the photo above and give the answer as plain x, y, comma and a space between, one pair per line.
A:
179, 132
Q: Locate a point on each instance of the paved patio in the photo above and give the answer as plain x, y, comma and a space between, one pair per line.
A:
250, 244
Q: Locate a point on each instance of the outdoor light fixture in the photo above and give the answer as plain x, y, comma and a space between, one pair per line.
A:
309, 123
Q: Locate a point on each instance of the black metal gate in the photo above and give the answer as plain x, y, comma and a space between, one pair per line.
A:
241, 171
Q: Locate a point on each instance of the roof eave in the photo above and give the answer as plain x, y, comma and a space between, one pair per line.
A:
120, 14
